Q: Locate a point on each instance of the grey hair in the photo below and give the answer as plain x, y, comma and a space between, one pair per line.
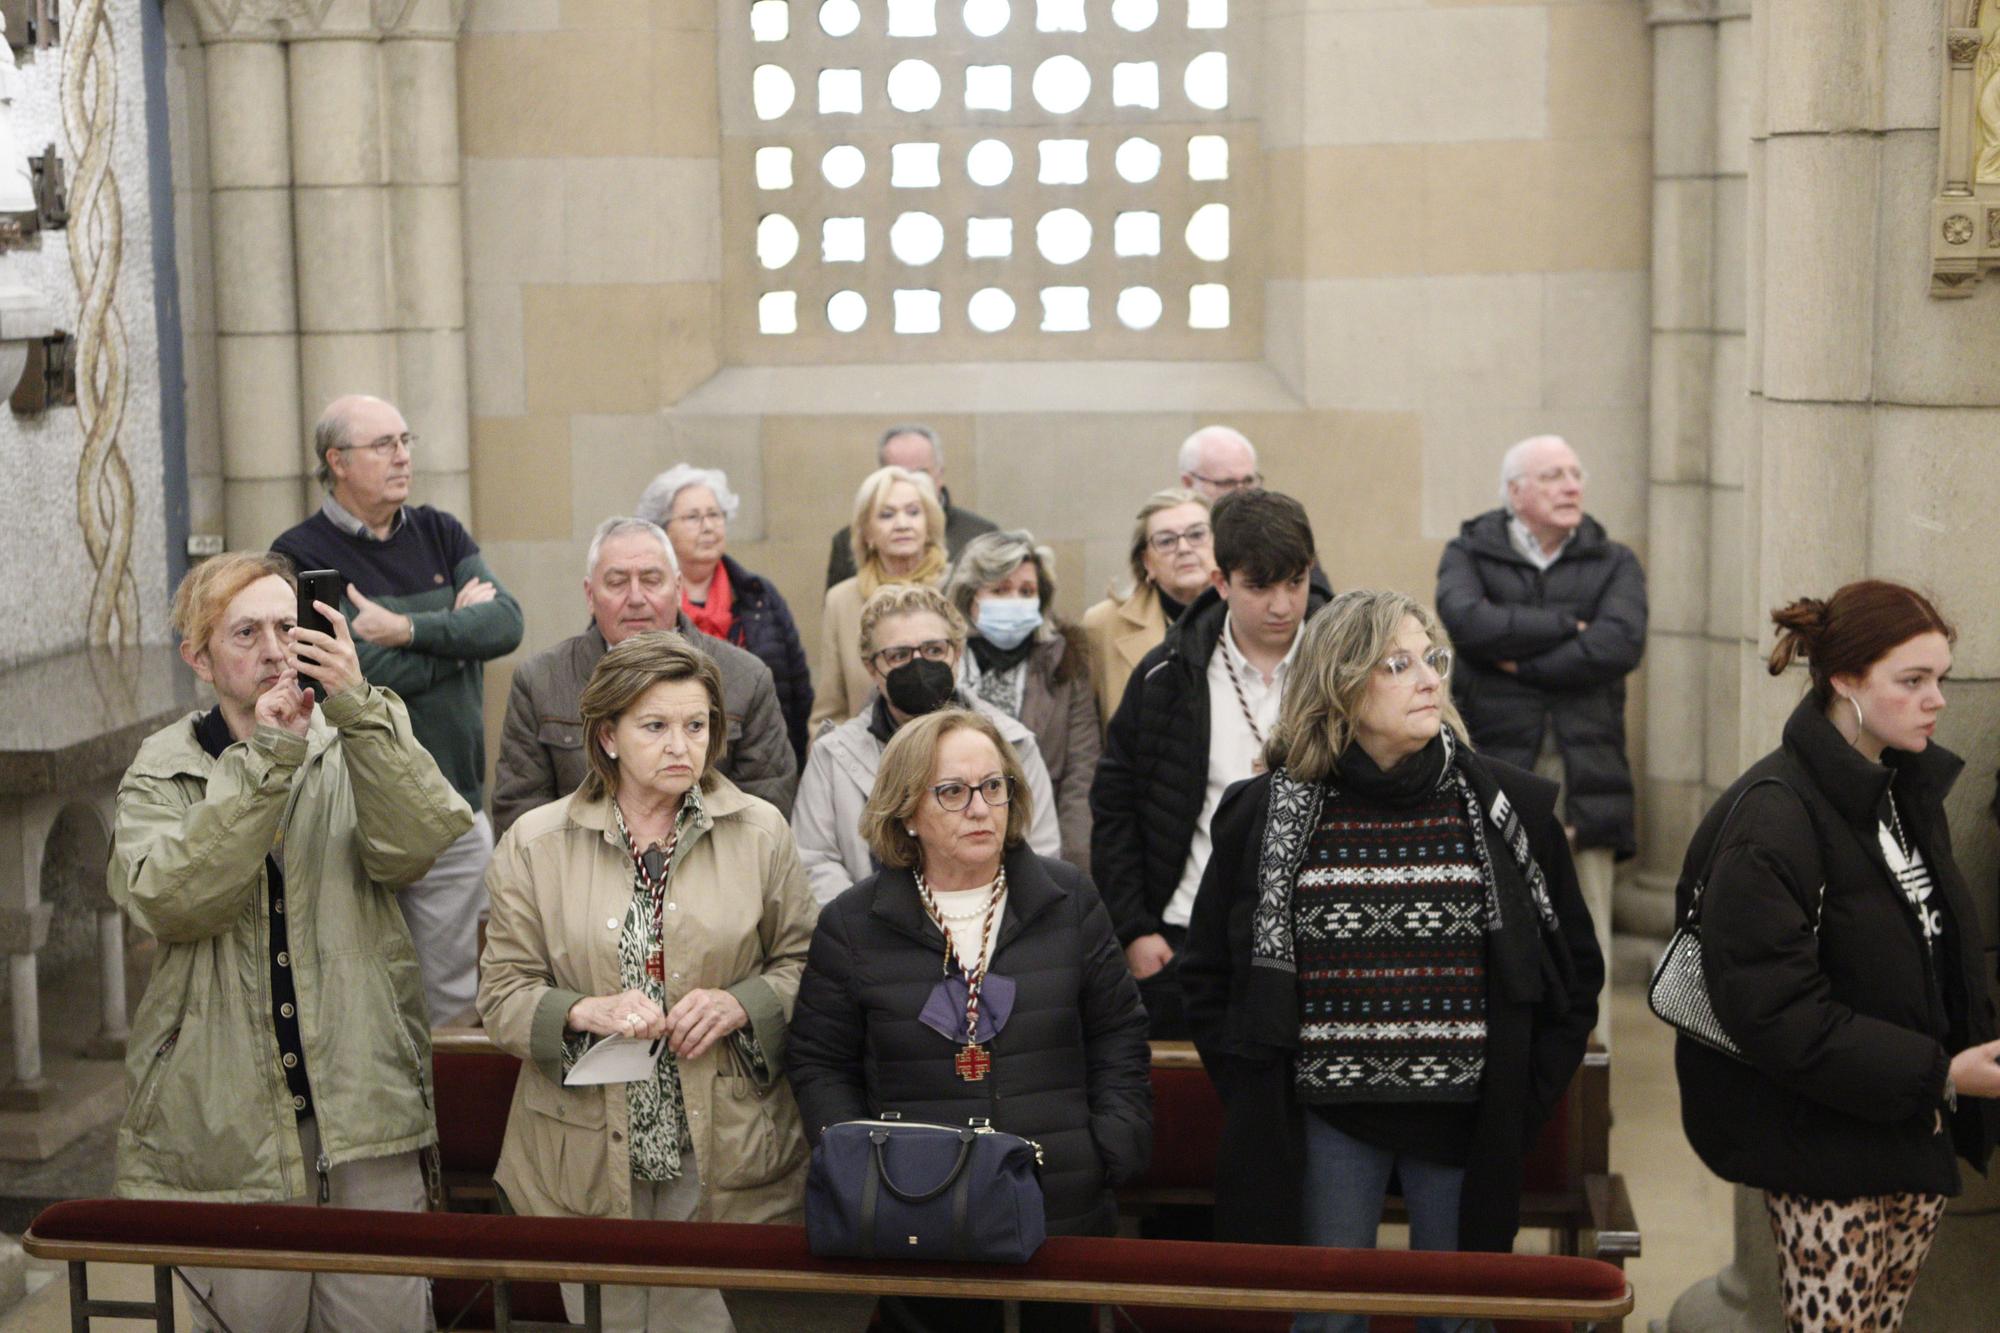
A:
623, 525
1190, 455
329, 433
911, 428
1513, 467
992, 556
656, 503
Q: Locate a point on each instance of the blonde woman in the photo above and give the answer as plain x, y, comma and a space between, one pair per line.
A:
1173, 555
1389, 935
898, 537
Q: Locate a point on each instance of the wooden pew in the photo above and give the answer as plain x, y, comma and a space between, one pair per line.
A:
1550, 1292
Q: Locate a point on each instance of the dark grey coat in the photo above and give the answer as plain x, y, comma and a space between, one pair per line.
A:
541, 741
1499, 607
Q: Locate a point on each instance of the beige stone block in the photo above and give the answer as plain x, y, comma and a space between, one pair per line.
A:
449, 491
1678, 556
1721, 726
1106, 570
1681, 406
1382, 76
1813, 488
514, 220
685, 105
521, 478
1931, 488
204, 425
1822, 66
1676, 678
623, 15
257, 511
1283, 96
1684, 101
513, 16
248, 143
336, 100
427, 255
1481, 208
431, 388
1599, 206
493, 337
1285, 333
1595, 343
420, 88
206, 511
1683, 254
255, 289
1284, 220
257, 390
1669, 813
1484, 339
690, 346
546, 578
1733, 76
1363, 210
1819, 322
1600, 71
615, 457
1729, 413
1927, 351
642, 220
1103, 459
1912, 64
590, 94
343, 259
592, 349
1764, 701
1365, 342
1727, 557
1755, 239
334, 364
1732, 216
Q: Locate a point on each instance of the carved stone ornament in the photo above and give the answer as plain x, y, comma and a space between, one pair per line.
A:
1968, 149
279, 20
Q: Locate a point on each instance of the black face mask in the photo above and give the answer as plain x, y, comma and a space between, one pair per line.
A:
920, 686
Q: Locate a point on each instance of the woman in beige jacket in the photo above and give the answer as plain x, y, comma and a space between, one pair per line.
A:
658, 901
1173, 555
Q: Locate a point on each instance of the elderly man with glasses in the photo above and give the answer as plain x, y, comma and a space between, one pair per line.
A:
427, 615
1549, 616
1216, 460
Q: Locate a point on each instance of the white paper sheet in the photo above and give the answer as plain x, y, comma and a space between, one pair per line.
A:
615, 1060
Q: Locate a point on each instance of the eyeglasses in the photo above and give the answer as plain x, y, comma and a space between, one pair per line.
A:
1254, 480
931, 650
707, 518
953, 797
1549, 476
1399, 665
385, 446
1196, 536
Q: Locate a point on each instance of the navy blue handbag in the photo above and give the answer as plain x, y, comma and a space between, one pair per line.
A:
893, 1189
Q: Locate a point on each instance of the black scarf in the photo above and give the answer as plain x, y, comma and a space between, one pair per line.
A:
992, 660
1415, 777
1168, 606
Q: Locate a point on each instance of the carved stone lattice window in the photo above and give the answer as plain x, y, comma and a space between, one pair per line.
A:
956, 180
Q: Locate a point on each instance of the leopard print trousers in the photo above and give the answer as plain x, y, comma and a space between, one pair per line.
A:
1850, 1266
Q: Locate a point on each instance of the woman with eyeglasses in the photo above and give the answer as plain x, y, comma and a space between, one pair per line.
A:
911, 643
721, 597
1389, 969
966, 968
1031, 666
1173, 555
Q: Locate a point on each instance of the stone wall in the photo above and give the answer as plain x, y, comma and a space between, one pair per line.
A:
46, 602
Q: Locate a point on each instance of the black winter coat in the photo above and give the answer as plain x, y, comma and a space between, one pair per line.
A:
1535, 1034
1070, 1068
1849, 1036
1499, 608
1152, 776
764, 626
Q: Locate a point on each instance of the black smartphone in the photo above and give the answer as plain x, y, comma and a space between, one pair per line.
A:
318, 585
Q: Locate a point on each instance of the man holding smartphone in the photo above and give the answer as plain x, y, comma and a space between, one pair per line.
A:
426, 615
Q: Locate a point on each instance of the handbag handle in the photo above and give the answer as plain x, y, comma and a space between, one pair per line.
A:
1701, 882
880, 1138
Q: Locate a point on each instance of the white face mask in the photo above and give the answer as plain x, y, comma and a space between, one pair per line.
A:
1005, 621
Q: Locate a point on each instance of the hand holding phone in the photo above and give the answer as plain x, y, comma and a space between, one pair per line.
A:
317, 585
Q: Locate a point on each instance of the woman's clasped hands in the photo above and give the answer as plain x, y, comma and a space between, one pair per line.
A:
697, 1021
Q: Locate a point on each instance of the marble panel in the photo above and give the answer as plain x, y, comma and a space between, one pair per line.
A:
1377, 75
521, 478
1595, 343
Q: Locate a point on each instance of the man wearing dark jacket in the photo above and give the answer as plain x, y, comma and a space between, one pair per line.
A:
915, 448
1194, 719
1549, 616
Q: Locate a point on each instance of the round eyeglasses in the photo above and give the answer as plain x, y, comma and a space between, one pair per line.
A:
1399, 665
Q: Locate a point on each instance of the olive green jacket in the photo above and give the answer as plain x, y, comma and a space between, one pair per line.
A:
356, 809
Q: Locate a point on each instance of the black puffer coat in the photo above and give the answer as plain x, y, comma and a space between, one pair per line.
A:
1500, 608
1849, 1036
1153, 774
1069, 1069
764, 626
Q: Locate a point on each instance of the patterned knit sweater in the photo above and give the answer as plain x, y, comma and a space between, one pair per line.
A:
1389, 921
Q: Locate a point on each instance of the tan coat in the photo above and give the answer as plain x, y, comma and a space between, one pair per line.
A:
842, 687
741, 919
1121, 632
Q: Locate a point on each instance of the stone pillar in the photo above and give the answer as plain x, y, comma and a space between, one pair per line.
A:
1872, 412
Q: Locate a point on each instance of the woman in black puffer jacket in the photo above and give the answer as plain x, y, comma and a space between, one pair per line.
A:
948, 820
1842, 954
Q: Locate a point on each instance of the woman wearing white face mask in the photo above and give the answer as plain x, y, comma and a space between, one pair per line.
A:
1032, 667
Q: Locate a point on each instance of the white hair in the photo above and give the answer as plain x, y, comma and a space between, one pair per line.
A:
1190, 456
622, 526
910, 428
1514, 466
656, 503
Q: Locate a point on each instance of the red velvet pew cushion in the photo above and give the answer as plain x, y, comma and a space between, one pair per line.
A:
473, 1091
501, 1239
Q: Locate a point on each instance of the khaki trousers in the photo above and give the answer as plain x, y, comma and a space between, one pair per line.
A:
1596, 873
253, 1301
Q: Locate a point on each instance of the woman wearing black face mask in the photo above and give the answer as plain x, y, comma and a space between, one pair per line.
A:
911, 642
